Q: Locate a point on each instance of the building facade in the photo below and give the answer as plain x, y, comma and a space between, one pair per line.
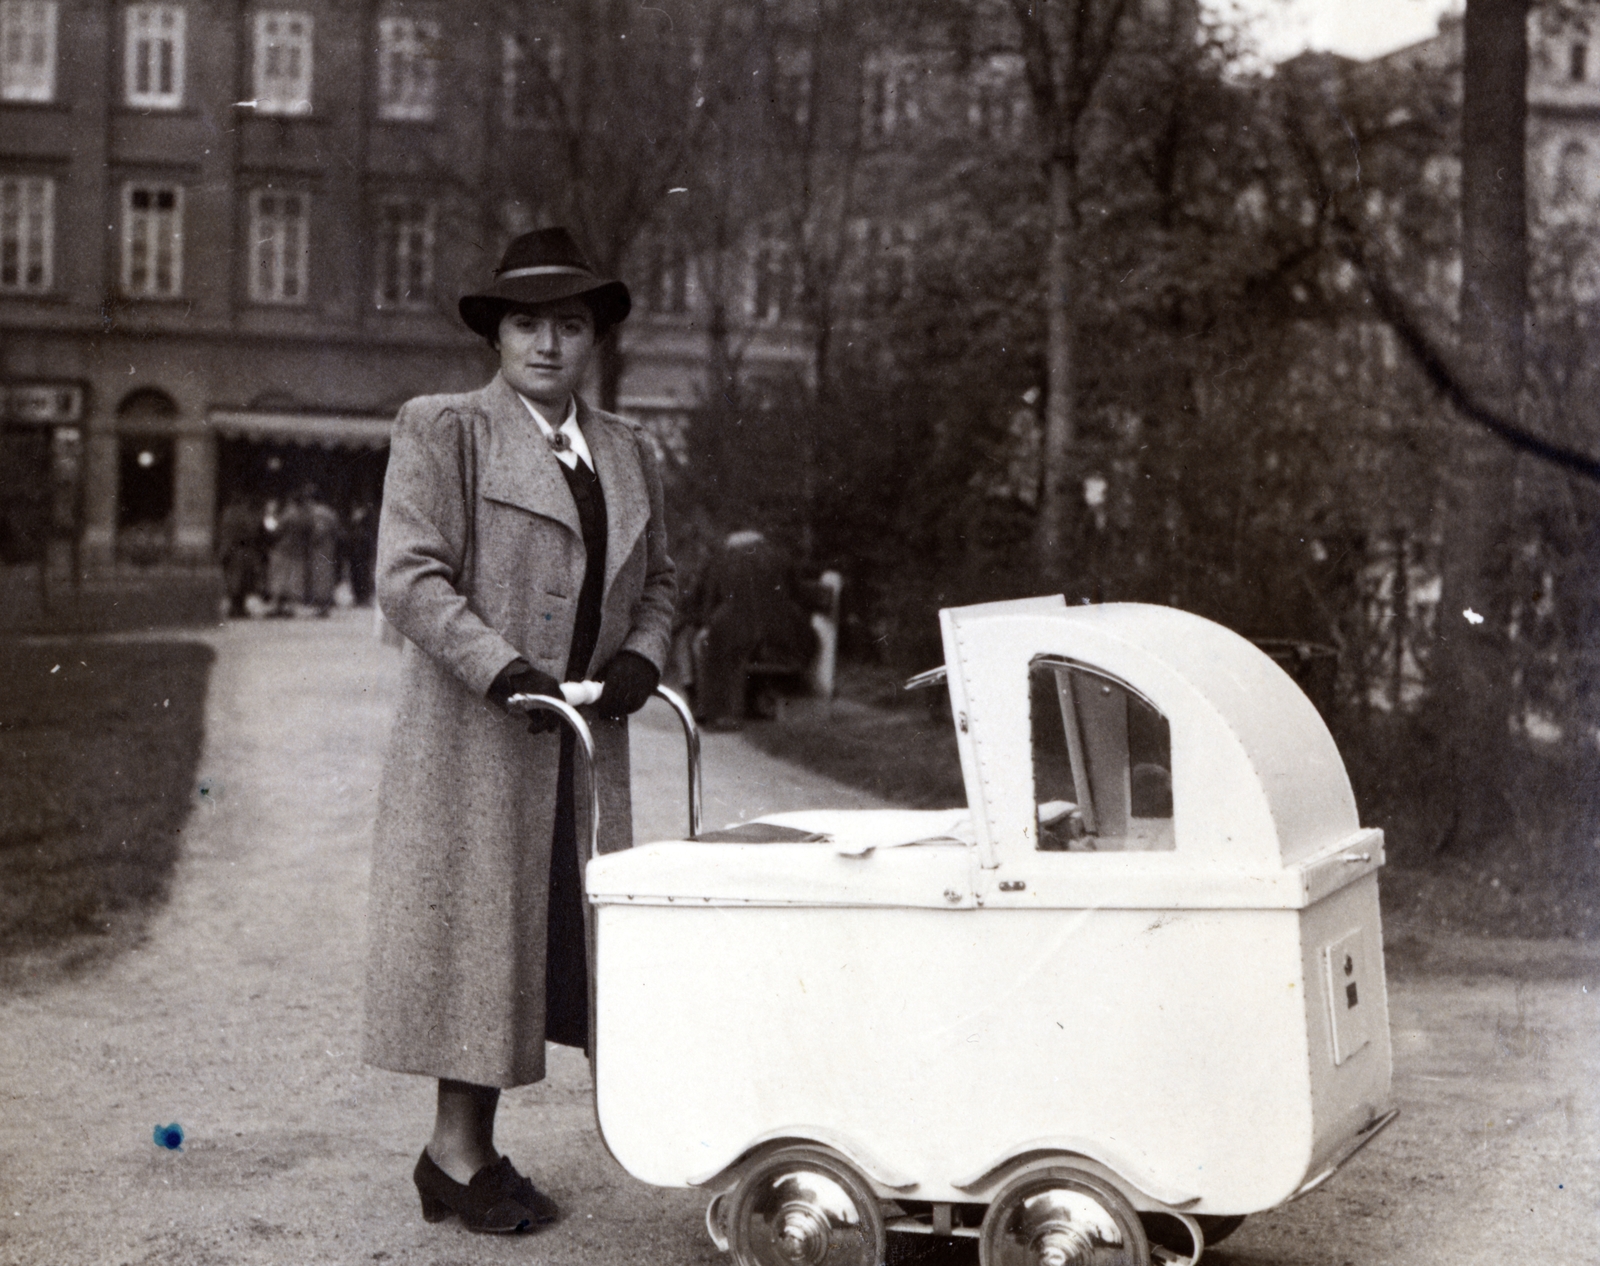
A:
232, 234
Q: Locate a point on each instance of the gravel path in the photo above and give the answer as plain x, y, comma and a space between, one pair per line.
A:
238, 1018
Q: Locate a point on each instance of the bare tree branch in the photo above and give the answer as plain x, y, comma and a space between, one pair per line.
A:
1437, 364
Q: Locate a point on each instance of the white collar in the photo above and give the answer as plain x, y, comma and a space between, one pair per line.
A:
569, 428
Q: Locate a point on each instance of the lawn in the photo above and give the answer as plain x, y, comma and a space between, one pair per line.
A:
99, 741
902, 747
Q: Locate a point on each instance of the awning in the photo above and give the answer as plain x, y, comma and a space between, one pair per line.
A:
319, 430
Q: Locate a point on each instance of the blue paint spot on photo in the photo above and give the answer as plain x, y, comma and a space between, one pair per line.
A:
169, 1136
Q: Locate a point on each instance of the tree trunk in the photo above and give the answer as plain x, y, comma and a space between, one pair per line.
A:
611, 365
1472, 672
1057, 499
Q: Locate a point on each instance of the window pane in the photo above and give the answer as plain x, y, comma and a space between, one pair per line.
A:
407, 69
26, 234
279, 234
153, 68
152, 238
28, 50
405, 253
1102, 763
531, 72
283, 63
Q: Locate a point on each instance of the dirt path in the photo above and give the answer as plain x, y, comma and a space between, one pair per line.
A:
239, 1020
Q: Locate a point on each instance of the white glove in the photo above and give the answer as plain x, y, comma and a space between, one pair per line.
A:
579, 693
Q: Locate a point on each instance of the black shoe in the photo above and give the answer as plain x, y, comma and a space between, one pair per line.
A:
482, 1204
543, 1209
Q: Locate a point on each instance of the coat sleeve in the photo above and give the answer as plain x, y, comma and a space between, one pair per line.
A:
651, 631
424, 535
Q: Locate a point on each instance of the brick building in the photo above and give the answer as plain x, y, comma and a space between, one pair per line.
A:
231, 239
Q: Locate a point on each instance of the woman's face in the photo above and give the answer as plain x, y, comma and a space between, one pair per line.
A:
545, 350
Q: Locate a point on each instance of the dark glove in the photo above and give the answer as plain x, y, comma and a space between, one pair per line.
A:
521, 678
629, 681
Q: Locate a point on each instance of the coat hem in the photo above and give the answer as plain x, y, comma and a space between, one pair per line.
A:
433, 1071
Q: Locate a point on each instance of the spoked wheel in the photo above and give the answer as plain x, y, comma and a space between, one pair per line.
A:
802, 1206
1055, 1215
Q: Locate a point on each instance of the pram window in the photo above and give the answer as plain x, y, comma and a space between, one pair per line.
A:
1102, 761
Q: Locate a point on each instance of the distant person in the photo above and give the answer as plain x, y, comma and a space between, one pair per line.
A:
751, 604
521, 544
322, 551
288, 530
358, 544
240, 550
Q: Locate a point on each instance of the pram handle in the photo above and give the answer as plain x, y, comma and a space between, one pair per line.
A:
691, 740
580, 727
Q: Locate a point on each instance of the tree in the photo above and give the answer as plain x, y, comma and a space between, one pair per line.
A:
602, 115
1066, 47
1473, 659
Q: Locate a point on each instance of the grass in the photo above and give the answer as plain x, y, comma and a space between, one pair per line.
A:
875, 736
902, 747
99, 742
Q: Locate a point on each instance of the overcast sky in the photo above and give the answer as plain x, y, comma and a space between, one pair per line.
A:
1356, 28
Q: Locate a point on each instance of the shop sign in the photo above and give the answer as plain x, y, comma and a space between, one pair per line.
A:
42, 403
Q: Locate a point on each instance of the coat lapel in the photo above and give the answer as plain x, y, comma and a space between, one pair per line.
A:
622, 484
522, 469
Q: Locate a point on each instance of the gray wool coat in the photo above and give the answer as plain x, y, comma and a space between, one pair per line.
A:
480, 560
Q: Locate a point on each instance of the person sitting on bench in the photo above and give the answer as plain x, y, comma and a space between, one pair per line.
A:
753, 609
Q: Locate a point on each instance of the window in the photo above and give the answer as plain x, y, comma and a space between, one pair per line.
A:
791, 87
152, 240
27, 234
280, 246
1102, 762
283, 63
666, 288
997, 107
531, 69
1578, 62
887, 101
27, 50
887, 271
405, 253
154, 55
408, 77
1572, 175
774, 284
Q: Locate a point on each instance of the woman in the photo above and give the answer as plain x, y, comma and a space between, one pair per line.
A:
322, 550
520, 544
289, 533
239, 535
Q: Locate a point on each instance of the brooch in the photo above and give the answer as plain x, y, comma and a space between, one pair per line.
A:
560, 441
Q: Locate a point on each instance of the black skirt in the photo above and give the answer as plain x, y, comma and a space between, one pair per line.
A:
566, 961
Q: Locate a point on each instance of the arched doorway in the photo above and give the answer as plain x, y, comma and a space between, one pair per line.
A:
146, 476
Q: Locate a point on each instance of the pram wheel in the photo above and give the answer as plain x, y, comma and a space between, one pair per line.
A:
1055, 1215
802, 1206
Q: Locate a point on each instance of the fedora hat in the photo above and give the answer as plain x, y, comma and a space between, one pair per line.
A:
541, 267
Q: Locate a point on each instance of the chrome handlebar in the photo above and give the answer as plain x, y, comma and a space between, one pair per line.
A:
580, 727
691, 742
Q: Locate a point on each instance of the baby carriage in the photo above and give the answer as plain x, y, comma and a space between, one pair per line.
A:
1132, 993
